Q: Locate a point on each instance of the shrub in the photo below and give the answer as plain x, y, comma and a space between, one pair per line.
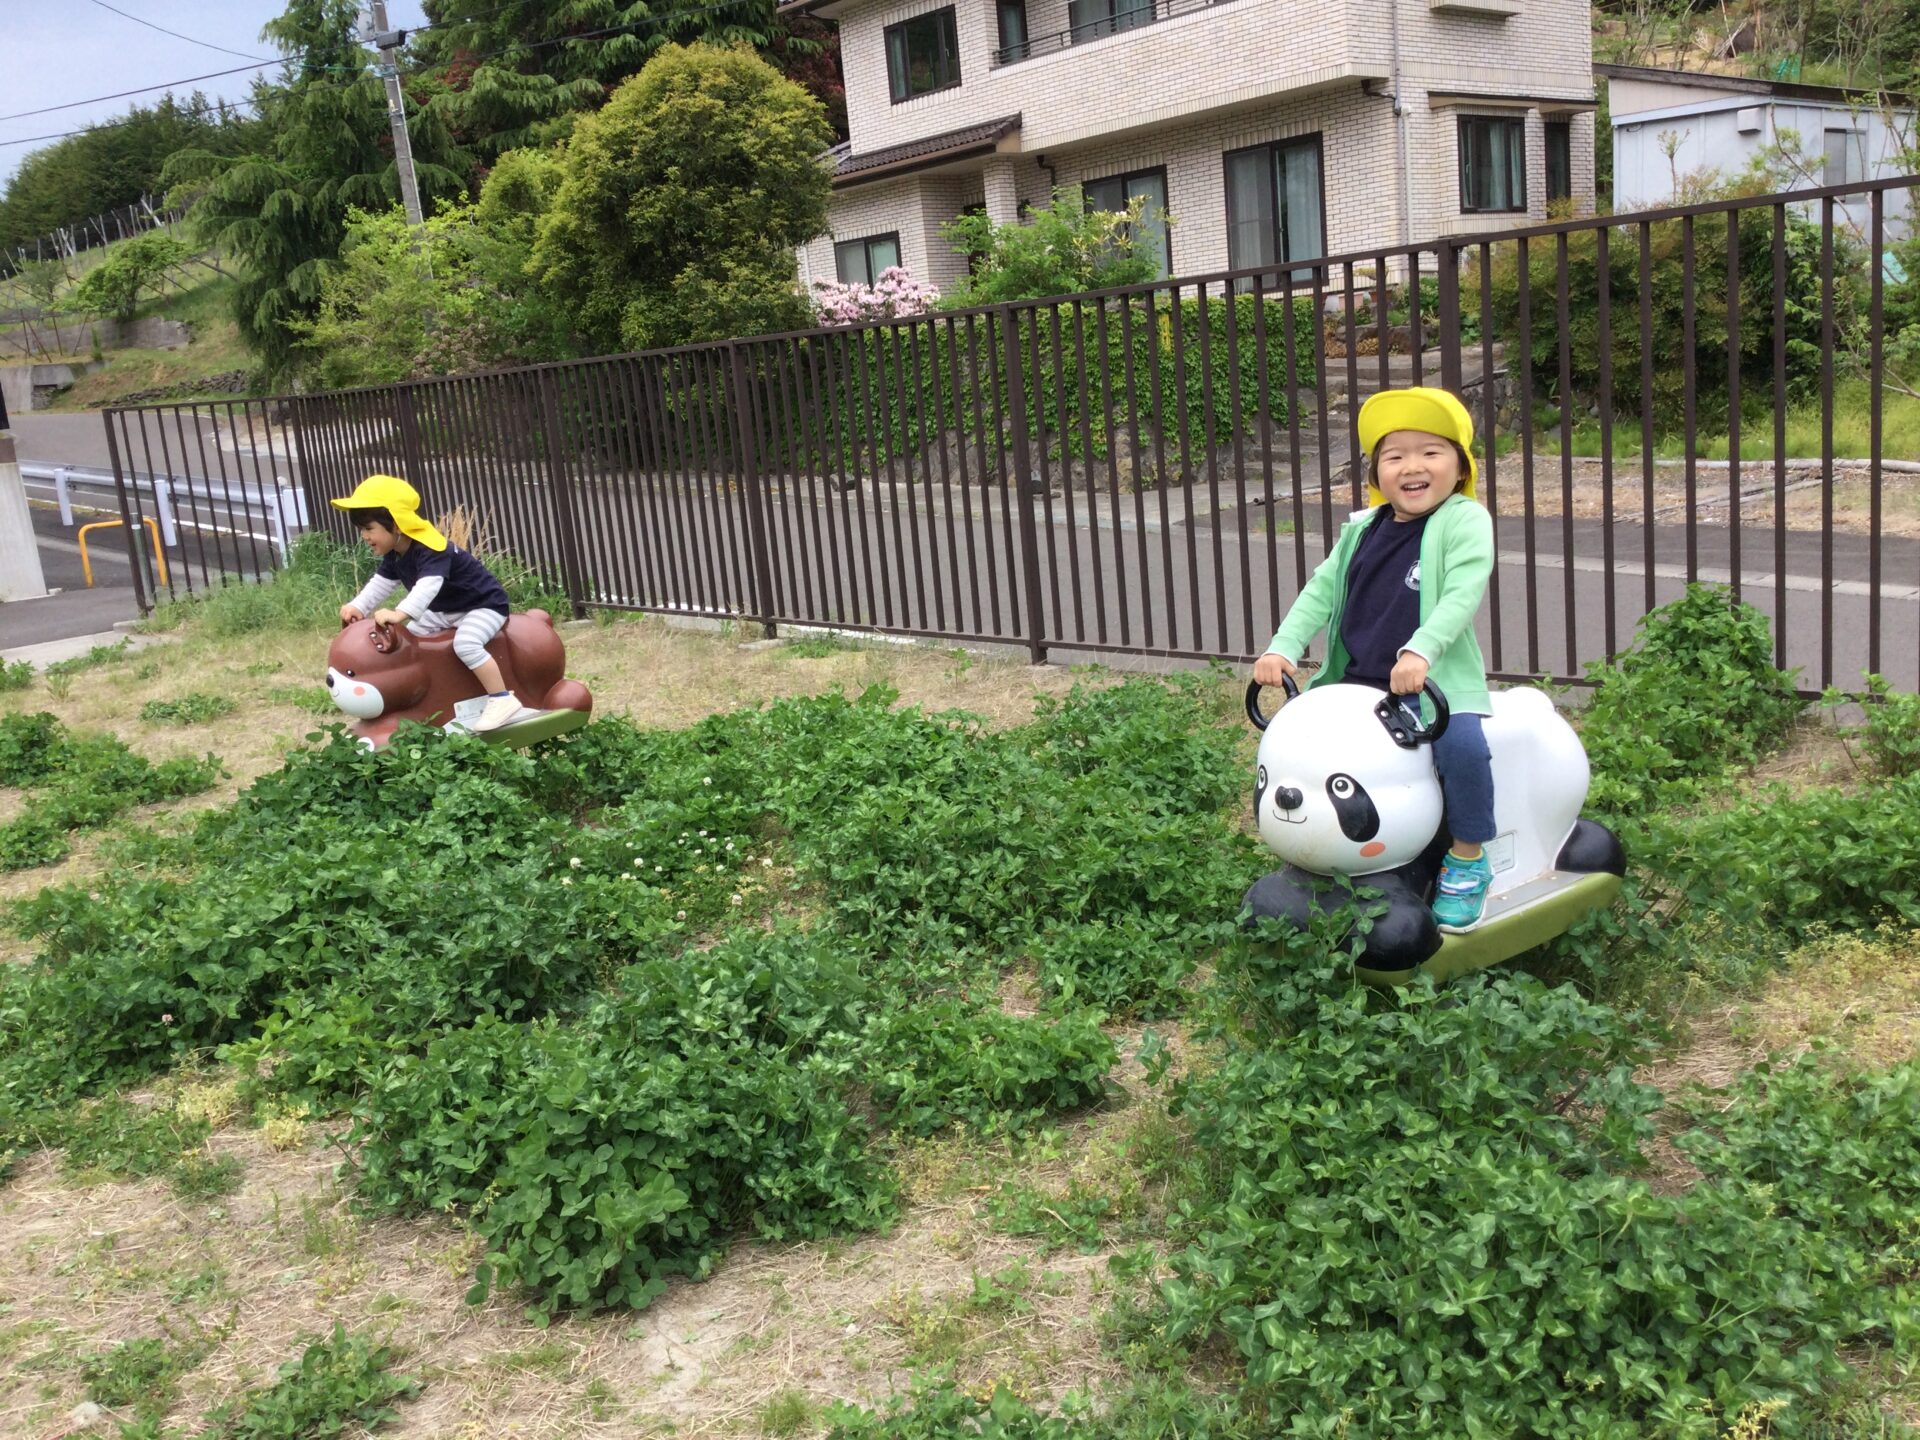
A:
1060, 248
894, 295
15, 675
1695, 696
1666, 346
341, 1381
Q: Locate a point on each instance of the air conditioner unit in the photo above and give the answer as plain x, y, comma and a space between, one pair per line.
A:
1749, 119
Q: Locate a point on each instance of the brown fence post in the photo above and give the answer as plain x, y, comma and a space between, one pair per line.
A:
1450, 370
136, 534
562, 495
744, 417
1016, 410
409, 422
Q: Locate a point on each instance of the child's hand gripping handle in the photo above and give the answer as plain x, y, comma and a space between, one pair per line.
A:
1254, 687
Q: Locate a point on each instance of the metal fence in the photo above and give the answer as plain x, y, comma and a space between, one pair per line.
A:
1156, 470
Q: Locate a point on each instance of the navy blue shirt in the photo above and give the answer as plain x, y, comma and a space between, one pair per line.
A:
465, 584
1383, 598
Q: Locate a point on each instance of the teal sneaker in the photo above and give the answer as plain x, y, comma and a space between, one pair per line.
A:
1460, 894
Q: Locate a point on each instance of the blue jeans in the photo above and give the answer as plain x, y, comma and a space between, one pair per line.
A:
1466, 778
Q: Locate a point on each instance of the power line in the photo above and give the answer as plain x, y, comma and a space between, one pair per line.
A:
203, 44
142, 90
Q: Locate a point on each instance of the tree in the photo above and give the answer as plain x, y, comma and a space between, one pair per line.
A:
113, 165
282, 211
521, 73
682, 202
450, 296
113, 288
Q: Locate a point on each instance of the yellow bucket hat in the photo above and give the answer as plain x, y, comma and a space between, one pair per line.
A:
392, 494
1418, 407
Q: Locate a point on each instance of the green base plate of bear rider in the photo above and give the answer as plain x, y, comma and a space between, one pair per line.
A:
1510, 929
544, 726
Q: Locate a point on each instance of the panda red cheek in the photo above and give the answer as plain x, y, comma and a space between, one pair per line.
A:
1371, 849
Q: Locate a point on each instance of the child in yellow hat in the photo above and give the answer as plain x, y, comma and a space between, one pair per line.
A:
1397, 597
447, 588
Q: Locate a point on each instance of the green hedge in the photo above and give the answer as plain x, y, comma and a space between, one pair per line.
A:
1668, 342
868, 397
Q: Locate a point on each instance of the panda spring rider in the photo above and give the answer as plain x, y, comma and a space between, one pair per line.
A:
1397, 597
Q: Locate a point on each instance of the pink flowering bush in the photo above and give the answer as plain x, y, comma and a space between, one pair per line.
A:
894, 295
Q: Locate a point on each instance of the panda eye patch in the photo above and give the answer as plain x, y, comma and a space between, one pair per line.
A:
1353, 807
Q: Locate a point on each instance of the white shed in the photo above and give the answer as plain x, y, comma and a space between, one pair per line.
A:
1721, 122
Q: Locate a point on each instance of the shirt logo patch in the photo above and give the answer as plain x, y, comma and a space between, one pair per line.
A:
1413, 576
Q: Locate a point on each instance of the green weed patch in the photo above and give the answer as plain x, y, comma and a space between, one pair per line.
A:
80, 782
551, 994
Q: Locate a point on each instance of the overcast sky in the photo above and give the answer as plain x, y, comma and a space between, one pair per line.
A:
53, 53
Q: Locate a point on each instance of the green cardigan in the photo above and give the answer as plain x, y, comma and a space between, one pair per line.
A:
1456, 561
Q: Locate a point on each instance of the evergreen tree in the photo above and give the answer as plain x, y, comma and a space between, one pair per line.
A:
282, 210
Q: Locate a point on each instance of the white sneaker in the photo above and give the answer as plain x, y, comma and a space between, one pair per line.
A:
499, 710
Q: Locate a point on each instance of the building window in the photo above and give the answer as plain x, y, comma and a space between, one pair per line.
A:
859, 262
1559, 160
1846, 158
1117, 192
1091, 19
1274, 204
1493, 164
1014, 44
923, 55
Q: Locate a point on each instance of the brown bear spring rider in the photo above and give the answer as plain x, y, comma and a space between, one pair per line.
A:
382, 675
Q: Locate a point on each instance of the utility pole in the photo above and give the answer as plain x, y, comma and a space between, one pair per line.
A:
388, 43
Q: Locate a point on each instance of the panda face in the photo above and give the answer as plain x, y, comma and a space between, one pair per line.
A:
1334, 794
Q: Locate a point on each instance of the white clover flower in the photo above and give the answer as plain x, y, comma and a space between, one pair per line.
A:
766, 864
736, 898
640, 860
679, 914
659, 869
566, 880
703, 834
575, 862
706, 780
729, 844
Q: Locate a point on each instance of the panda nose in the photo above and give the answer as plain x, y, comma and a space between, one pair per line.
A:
1287, 798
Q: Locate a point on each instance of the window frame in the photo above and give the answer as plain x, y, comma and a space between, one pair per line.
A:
1283, 265
1561, 128
1120, 16
1124, 177
1011, 51
1855, 150
947, 36
1465, 122
867, 243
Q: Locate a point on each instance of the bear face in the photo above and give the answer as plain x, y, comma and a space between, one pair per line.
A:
367, 681
1334, 793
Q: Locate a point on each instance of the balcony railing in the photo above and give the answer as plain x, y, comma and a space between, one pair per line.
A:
1125, 15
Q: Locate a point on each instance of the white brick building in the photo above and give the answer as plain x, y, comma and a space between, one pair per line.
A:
1268, 129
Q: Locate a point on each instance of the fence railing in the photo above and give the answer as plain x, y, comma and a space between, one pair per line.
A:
1156, 470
